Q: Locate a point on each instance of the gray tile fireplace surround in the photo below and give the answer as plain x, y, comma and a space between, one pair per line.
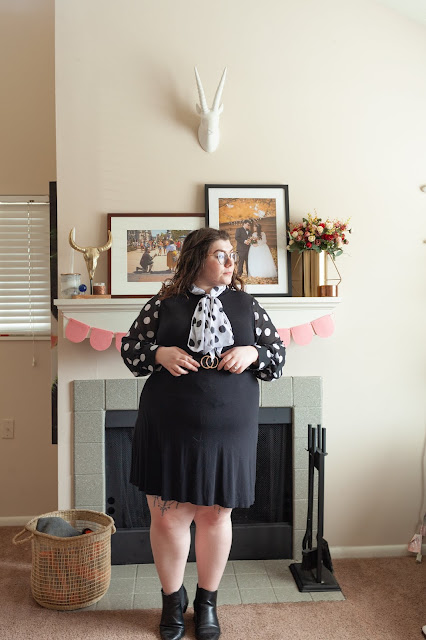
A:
244, 581
92, 398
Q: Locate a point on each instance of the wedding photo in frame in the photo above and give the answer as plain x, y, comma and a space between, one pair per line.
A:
256, 218
145, 249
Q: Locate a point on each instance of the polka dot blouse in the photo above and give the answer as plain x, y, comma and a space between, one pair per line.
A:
139, 345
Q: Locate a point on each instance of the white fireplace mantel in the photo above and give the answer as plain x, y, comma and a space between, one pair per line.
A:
117, 314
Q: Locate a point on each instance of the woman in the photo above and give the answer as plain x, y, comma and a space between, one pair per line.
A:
260, 261
171, 255
204, 342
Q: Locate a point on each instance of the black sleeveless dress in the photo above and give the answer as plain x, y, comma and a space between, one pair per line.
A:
195, 438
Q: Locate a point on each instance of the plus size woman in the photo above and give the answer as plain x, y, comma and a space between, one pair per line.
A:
204, 343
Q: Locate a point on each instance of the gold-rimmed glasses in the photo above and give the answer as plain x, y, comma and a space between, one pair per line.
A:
222, 257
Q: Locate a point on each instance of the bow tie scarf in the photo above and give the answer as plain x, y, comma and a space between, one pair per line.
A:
211, 330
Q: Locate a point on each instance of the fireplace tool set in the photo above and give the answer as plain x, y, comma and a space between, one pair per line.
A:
315, 572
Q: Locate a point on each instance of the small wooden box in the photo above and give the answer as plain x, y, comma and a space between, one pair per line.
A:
88, 296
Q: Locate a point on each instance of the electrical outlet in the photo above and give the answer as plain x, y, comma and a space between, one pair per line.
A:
8, 428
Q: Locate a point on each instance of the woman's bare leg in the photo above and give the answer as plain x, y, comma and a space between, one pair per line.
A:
213, 539
170, 539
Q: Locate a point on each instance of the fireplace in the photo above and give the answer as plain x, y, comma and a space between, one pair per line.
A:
287, 406
262, 532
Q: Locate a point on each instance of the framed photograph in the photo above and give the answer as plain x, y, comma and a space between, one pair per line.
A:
145, 249
256, 218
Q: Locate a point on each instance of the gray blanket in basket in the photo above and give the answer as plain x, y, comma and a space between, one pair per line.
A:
55, 526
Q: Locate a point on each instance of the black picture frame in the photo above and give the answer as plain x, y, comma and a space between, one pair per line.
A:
227, 205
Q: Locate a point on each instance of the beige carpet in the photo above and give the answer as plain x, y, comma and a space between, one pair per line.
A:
385, 600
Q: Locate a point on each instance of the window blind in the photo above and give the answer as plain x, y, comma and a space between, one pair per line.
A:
24, 266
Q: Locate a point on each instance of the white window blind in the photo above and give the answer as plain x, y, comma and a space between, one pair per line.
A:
24, 266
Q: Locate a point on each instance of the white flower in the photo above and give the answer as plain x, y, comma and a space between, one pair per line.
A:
328, 225
320, 230
294, 234
304, 224
311, 238
291, 242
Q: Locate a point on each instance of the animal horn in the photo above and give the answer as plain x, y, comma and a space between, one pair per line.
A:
108, 244
203, 101
73, 244
218, 96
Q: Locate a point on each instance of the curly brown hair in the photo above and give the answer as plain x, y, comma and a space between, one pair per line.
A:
191, 260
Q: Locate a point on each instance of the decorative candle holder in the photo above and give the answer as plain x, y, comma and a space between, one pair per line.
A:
99, 289
70, 283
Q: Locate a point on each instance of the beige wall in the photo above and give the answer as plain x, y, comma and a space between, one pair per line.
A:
28, 463
327, 97
27, 107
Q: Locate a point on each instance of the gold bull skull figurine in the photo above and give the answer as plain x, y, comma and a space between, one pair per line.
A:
91, 254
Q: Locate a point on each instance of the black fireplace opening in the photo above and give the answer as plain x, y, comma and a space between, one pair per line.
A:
263, 531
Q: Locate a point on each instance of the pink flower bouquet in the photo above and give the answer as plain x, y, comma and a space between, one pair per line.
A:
314, 234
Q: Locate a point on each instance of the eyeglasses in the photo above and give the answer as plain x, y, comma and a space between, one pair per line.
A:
223, 257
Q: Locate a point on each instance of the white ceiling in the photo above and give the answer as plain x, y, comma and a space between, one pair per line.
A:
414, 9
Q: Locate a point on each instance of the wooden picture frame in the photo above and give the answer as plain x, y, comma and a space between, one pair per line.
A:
133, 234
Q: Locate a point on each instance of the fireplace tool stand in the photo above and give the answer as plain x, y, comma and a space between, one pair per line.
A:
315, 572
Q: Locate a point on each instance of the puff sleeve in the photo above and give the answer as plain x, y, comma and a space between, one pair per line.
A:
139, 345
269, 345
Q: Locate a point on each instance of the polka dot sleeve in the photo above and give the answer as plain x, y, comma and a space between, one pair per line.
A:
139, 345
269, 345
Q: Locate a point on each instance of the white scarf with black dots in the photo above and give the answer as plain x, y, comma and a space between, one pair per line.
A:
211, 330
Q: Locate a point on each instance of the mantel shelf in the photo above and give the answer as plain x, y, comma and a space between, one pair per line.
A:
117, 314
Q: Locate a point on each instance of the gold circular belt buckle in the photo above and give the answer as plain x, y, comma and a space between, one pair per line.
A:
209, 363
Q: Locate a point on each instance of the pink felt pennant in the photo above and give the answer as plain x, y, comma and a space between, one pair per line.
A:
302, 334
285, 336
100, 339
118, 337
324, 326
76, 331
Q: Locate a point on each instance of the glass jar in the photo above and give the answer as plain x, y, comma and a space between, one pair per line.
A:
70, 283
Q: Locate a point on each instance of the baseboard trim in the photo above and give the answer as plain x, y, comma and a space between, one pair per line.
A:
15, 521
386, 551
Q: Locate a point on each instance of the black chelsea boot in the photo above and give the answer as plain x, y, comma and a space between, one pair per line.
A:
205, 615
172, 626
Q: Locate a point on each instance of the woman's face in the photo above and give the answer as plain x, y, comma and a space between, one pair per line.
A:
214, 274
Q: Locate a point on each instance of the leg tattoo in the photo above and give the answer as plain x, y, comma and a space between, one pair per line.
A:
164, 505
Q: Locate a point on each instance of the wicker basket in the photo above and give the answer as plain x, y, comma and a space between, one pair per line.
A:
70, 573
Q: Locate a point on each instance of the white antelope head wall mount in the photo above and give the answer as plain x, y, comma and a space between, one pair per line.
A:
208, 131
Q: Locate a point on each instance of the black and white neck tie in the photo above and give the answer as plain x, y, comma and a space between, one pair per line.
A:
211, 330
